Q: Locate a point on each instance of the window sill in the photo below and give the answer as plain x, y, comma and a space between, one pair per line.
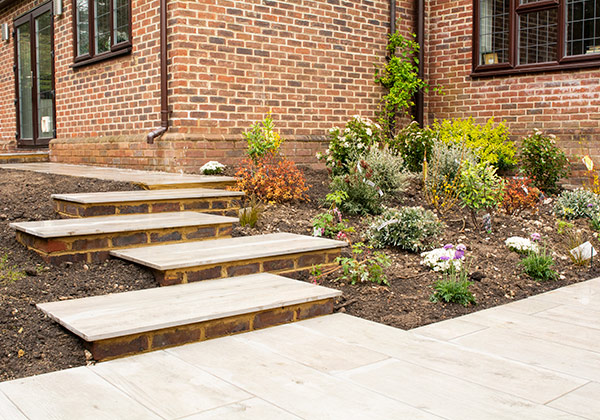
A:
102, 57
480, 73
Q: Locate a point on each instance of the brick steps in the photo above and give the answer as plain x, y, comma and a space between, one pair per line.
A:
133, 322
213, 201
220, 258
24, 157
92, 239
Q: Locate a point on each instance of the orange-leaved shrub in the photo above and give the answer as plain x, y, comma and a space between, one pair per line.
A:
519, 195
272, 178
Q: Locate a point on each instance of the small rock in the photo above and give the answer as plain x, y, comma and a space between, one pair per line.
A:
31, 271
66, 264
562, 277
3, 216
342, 310
86, 267
477, 276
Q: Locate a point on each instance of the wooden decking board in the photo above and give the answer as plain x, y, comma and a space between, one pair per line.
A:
177, 256
118, 197
115, 224
103, 317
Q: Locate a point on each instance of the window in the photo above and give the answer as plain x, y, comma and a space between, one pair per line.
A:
518, 36
102, 29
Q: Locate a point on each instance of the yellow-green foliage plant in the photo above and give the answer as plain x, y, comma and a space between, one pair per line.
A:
489, 142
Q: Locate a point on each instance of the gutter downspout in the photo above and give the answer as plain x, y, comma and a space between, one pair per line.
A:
420, 95
164, 97
392, 16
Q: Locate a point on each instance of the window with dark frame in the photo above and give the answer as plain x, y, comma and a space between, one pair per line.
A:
518, 36
102, 29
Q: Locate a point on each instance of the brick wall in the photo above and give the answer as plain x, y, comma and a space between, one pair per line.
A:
308, 62
565, 103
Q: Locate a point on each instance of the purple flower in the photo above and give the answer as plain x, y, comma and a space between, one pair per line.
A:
459, 255
448, 246
536, 237
590, 205
444, 258
461, 247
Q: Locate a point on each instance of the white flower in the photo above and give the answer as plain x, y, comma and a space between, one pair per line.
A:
327, 152
521, 245
319, 155
213, 165
369, 132
433, 259
347, 130
332, 130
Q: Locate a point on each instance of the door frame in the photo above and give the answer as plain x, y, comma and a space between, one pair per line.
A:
30, 17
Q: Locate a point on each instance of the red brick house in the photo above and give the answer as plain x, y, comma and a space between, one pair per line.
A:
170, 84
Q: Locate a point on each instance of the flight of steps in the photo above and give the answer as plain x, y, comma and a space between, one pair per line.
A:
24, 157
241, 289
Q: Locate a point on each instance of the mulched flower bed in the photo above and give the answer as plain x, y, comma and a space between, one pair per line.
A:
31, 343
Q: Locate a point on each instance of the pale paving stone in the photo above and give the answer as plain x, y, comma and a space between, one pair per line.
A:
529, 306
167, 385
296, 388
73, 394
577, 315
446, 396
8, 411
534, 384
145, 195
252, 409
311, 349
449, 329
535, 352
584, 401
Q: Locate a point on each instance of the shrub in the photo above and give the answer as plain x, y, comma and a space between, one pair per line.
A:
387, 171
520, 195
349, 145
331, 224
413, 143
410, 228
454, 287
538, 265
263, 140
489, 143
543, 162
577, 204
480, 189
362, 195
272, 178
441, 175
363, 265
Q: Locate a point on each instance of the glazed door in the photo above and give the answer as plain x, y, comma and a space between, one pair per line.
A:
34, 75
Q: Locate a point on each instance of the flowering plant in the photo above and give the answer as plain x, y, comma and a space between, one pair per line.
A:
442, 259
350, 144
212, 168
543, 161
523, 245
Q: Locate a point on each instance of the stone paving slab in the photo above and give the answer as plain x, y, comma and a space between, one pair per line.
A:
122, 223
147, 179
145, 195
101, 317
174, 256
341, 367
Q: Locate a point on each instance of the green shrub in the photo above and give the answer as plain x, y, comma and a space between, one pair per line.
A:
349, 145
453, 287
543, 162
480, 189
413, 143
263, 139
387, 170
489, 143
410, 228
577, 204
538, 265
362, 195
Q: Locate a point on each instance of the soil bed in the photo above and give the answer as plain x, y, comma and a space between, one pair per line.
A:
32, 344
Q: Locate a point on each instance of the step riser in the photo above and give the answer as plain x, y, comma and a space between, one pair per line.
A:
23, 158
221, 206
175, 336
286, 264
96, 248
213, 185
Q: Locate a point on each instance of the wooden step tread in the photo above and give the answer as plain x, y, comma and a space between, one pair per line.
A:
177, 256
122, 223
115, 315
145, 195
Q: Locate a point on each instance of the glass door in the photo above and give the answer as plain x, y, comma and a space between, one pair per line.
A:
34, 70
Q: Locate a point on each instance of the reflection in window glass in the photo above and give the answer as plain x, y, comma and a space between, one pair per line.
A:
102, 26
83, 25
25, 76
44, 94
121, 20
493, 31
538, 34
583, 27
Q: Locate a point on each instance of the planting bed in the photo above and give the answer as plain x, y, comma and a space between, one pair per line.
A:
32, 344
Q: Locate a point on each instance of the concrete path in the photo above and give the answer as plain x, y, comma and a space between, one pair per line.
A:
534, 359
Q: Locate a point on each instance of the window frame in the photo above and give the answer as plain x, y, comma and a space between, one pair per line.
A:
116, 49
563, 61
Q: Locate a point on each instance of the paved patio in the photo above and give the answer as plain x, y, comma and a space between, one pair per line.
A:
534, 359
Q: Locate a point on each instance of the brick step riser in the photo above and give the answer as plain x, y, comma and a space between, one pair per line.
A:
96, 248
218, 206
282, 264
169, 337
